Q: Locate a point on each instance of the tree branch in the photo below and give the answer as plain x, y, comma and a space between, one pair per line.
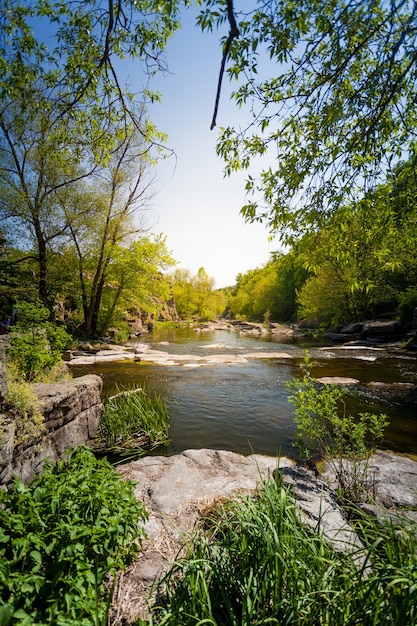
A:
233, 33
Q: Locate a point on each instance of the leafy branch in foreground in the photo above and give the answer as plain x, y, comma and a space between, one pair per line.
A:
254, 562
325, 430
330, 91
62, 540
133, 422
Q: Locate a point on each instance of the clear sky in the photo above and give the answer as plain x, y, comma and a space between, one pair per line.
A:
195, 206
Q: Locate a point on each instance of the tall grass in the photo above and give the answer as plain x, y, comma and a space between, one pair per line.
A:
254, 562
133, 422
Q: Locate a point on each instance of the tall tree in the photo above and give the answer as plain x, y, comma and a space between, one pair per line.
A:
332, 88
104, 214
63, 110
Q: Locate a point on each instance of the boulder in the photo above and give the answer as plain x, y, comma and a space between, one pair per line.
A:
176, 490
72, 410
382, 330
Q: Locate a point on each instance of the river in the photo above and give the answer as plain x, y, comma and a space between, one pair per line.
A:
244, 407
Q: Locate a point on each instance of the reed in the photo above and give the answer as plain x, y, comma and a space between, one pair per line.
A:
133, 423
254, 562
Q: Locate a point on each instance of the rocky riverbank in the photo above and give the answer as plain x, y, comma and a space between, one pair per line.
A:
178, 489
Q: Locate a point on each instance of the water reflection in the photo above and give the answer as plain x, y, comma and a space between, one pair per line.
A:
244, 407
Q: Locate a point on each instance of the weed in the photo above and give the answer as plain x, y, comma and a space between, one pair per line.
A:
63, 539
257, 563
133, 421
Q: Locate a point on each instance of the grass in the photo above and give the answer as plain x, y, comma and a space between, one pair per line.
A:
132, 424
254, 562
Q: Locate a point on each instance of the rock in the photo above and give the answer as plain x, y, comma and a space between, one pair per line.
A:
385, 329
337, 380
352, 329
392, 483
281, 330
176, 490
319, 508
72, 410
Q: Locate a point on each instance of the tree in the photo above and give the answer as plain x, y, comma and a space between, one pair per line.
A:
104, 221
195, 296
135, 281
335, 115
63, 110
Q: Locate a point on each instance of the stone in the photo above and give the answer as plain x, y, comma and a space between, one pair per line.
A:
176, 490
72, 410
392, 481
337, 380
383, 329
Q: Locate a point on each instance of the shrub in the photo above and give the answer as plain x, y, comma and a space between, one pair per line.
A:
36, 344
407, 304
62, 540
23, 405
324, 429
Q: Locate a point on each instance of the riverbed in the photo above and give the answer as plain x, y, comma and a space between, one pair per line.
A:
236, 397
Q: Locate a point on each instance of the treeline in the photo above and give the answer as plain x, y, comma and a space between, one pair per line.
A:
362, 262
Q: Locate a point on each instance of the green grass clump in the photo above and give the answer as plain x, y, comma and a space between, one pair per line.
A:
62, 540
133, 422
254, 562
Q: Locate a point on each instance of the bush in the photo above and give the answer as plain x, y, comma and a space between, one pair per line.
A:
36, 344
407, 304
62, 540
23, 405
324, 430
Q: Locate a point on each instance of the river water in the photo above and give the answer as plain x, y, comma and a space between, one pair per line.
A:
244, 407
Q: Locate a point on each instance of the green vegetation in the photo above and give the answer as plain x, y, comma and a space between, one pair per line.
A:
325, 431
36, 344
77, 147
329, 90
132, 424
195, 296
362, 259
255, 562
22, 405
62, 540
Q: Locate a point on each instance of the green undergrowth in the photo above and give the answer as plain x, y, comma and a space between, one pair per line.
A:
62, 540
133, 423
254, 562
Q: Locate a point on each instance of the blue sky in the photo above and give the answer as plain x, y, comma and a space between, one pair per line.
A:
195, 206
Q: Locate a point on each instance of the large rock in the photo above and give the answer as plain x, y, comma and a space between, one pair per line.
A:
72, 410
177, 489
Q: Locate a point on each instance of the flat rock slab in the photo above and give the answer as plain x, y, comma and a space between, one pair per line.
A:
176, 490
161, 357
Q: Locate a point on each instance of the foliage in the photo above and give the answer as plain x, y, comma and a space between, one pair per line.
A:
407, 304
323, 428
195, 295
65, 117
254, 562
63, 538
133, 421
271, 288
36, 344
22, 403
330, 89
